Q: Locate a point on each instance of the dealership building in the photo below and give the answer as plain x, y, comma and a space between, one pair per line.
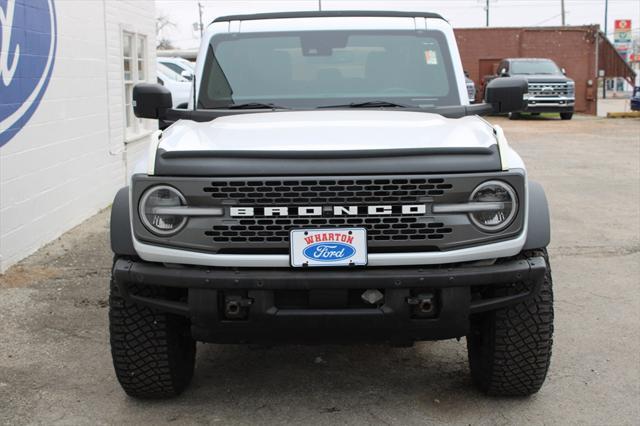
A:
68, 137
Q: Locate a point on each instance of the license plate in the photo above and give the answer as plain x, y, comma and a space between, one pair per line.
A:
328, 247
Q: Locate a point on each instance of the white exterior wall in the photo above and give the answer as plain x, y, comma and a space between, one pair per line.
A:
71, 157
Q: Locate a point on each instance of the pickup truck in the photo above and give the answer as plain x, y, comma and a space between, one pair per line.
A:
549, 89
330, 182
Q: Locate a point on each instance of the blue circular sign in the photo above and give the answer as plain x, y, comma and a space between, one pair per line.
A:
329, 252
27, 54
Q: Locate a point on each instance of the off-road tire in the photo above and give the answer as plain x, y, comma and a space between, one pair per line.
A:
566, 115
153, 352
510, 349
514, 116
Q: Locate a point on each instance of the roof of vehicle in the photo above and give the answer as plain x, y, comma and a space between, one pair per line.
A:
329, 14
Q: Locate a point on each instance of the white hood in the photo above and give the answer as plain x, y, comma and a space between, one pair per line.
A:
328, 131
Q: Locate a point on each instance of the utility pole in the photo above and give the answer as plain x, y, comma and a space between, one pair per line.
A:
320, 5
487, 10
606, 18
563, 12
606, 27
200, 9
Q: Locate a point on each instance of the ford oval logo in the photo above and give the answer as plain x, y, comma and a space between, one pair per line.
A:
329, 252
27, 54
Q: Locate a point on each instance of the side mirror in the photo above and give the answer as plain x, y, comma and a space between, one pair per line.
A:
507, 94
503, 72
563, 71
151, 100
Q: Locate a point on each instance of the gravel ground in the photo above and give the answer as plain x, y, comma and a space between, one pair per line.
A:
55, 366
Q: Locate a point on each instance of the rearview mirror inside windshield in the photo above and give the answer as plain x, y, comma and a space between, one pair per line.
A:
315, 44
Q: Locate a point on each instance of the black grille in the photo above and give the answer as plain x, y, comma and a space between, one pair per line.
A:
301, 192
395, 230
276, 230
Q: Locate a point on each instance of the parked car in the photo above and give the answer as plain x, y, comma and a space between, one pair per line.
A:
471, 88
635, 99
549, 89
180, 66
180, 85
335, 185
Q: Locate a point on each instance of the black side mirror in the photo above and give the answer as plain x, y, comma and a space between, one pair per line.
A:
151, 100
506, 94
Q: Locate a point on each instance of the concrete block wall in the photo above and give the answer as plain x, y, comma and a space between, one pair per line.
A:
71, 157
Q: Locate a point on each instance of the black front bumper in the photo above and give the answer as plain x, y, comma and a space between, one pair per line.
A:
322, 305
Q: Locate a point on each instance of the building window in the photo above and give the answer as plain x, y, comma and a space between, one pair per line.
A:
134, 56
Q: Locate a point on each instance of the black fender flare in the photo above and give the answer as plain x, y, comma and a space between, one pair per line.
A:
539, 222
121, 238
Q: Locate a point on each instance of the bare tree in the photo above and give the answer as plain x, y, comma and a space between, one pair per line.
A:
163, 22
165, 44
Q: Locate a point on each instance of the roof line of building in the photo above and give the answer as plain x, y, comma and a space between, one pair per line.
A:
553, 27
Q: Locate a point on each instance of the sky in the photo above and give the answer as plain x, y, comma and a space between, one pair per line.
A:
461, 13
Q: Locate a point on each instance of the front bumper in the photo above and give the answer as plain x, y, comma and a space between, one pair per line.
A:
326, 306
550, 104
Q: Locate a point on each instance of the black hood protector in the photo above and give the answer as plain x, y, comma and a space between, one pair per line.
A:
318, 163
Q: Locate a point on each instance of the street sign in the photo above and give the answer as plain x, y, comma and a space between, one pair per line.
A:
622, 25
622, 37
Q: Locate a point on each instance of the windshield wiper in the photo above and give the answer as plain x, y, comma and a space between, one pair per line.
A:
368, 104
254, 105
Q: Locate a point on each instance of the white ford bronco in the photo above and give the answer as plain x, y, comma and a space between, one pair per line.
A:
330, 182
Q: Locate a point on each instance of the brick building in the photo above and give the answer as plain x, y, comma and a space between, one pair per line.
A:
582, 50
67, 132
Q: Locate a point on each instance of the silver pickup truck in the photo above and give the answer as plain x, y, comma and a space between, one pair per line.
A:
330, 182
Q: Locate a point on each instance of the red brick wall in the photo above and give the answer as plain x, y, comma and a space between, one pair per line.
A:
572, 48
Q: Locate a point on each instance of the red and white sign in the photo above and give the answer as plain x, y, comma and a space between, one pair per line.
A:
622, 37
622, 25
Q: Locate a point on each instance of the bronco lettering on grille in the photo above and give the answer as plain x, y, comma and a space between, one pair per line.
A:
316, 211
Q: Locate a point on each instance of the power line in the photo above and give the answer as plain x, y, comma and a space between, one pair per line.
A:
547, 20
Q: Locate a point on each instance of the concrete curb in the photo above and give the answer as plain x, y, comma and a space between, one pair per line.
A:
628, 114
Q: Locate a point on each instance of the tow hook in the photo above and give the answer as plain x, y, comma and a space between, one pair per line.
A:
423, 305
236, 307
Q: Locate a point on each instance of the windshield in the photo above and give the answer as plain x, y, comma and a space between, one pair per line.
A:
534, 67
309, 69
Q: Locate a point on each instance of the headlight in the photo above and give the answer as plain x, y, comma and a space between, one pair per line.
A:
503, 206
571, 88
155, 207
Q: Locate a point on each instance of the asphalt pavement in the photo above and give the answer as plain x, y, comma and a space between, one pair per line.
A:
55, 365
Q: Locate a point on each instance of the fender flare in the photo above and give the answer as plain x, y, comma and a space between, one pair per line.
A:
539, 222
121, 238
